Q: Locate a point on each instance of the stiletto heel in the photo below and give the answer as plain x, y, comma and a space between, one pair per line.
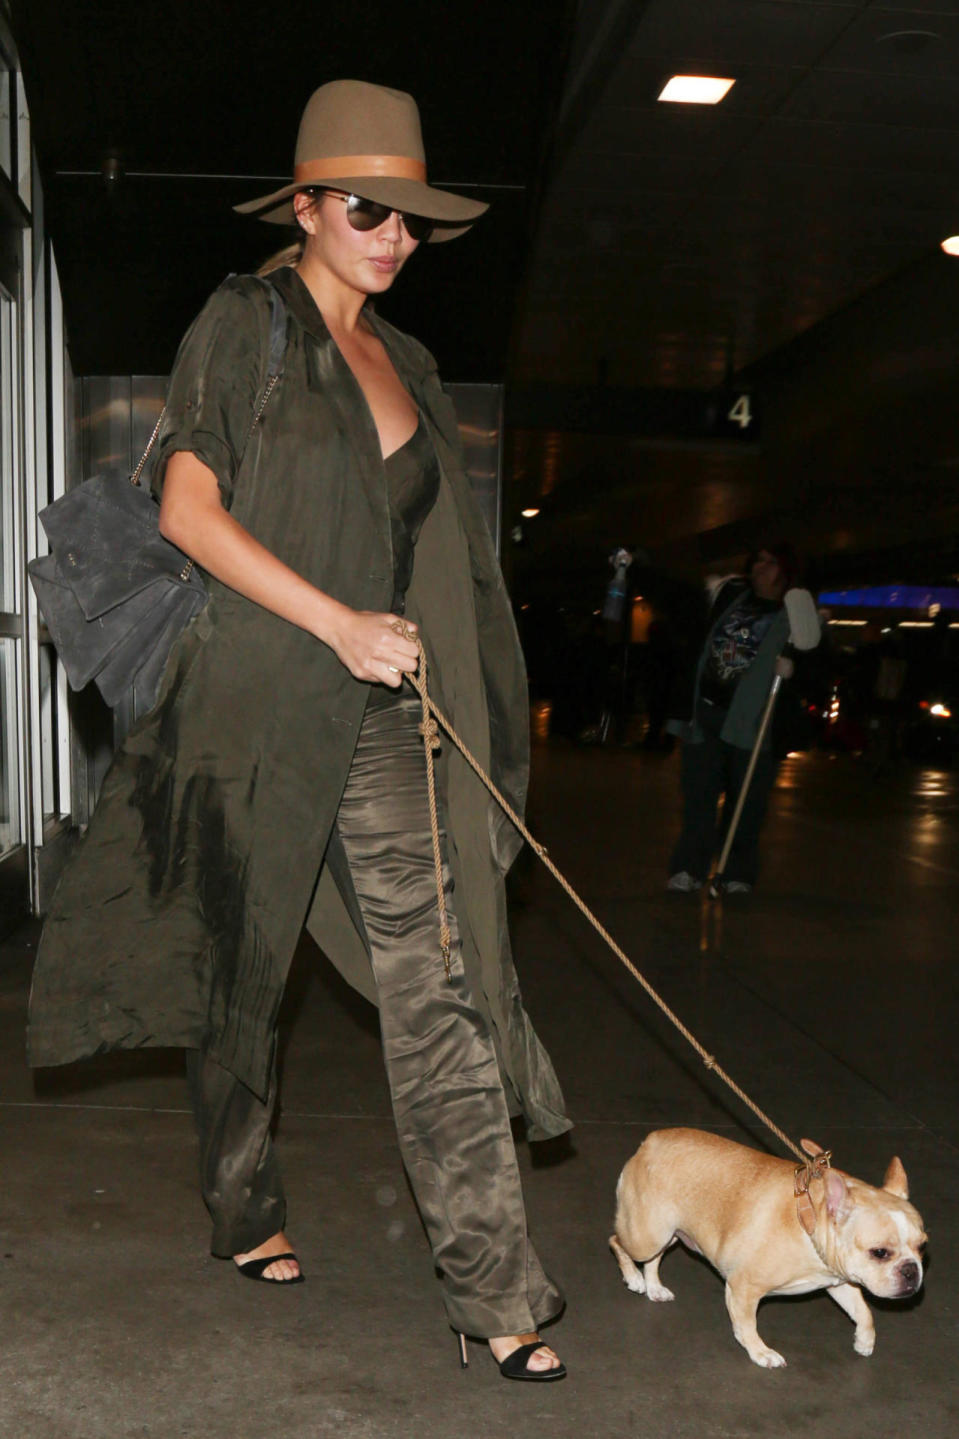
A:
464, 1357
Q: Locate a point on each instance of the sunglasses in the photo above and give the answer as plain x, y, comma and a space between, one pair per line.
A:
369, 215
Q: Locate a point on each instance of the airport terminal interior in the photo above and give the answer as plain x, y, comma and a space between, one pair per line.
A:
686, 331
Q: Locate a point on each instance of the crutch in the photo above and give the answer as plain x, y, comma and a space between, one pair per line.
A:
804, 633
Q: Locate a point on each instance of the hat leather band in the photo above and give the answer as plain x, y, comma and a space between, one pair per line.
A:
393, 167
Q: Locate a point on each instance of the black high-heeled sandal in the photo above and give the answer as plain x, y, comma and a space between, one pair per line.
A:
255, 1269
516, 1364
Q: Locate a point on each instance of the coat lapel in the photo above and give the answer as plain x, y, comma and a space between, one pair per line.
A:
328, 373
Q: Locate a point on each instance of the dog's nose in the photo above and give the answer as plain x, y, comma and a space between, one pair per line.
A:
909, 1273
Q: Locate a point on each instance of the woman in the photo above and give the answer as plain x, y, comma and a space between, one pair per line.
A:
280, 777
748, 628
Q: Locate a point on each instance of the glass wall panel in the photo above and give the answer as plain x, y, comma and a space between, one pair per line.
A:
8, 486
24, 152
6, 127
37, 450
49, 738
10, 821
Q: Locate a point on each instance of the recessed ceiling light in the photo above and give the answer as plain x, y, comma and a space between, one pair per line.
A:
951, 245
529, 514
696, 89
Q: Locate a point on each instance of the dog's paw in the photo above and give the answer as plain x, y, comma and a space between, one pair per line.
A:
635, 1282
767, 1358
864, 1343
659, 1293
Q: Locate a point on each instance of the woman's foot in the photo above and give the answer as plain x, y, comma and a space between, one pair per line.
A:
284, 1271
542, 1360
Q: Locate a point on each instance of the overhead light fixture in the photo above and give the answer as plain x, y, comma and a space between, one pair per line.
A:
695, 89
951, 245
529, 514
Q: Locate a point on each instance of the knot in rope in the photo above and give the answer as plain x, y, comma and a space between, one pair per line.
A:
430, 732
817, 1161
400, 627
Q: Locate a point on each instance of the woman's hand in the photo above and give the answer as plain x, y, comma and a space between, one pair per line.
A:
371, 646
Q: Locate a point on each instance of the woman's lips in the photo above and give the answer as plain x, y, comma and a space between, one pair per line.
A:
385, 264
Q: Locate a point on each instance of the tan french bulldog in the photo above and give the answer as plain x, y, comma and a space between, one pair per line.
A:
741, 1210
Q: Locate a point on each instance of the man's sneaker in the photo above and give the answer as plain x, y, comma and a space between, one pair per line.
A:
684, 882
737, 886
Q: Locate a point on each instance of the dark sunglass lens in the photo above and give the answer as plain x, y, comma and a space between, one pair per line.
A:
369, 215
417, 226
365, 214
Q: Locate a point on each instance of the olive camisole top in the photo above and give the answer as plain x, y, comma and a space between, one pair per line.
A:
413, 481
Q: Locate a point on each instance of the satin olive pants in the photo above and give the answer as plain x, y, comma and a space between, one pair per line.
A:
448, 1102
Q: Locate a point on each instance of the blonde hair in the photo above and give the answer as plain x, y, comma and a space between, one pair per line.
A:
289, 255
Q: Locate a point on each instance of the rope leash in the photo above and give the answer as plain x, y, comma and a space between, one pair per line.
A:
811, 1165
431, 743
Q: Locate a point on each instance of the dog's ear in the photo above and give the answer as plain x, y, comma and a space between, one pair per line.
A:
895, 1181
837, 1194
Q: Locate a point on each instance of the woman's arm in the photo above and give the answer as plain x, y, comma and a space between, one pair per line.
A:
192, 517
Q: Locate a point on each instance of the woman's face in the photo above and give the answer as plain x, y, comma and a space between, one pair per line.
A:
367, 261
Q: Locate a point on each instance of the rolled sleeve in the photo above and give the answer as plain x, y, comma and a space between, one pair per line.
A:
214, 387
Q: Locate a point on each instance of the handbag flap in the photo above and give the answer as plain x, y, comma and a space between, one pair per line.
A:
85, 646
108, 548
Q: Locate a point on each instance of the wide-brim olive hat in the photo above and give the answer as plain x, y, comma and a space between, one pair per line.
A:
367, 140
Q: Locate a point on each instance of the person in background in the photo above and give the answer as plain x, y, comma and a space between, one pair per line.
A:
748, 630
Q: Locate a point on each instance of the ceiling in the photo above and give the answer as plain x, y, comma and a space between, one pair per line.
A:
677, 241
783, 244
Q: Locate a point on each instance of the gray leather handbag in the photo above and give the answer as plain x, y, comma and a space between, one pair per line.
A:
114, 593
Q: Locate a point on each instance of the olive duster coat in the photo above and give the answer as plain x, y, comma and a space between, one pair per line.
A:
214, 838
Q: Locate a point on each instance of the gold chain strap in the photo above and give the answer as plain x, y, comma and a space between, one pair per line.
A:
187, 569
135, 477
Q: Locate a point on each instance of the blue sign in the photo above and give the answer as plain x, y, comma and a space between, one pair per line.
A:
892, 597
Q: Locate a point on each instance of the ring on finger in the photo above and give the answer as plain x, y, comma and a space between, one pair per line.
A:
392, 669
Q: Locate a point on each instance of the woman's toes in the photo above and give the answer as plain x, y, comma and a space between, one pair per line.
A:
277, 1272
543, 1358
283, 1270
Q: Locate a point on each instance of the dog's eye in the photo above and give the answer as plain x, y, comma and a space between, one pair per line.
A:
879, 1253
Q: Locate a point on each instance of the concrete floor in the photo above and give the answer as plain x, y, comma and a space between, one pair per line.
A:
832, 997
